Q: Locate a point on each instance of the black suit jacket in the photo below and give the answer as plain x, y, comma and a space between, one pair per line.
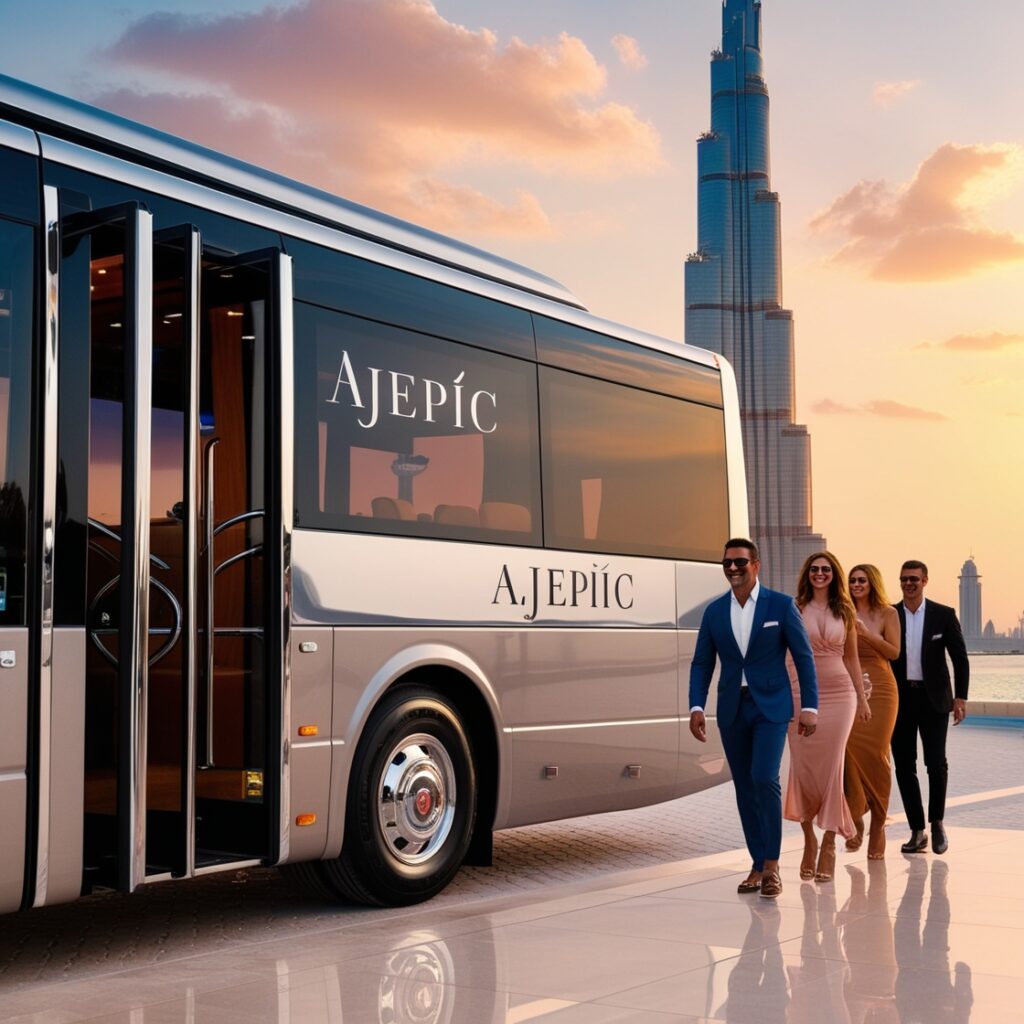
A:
941, 633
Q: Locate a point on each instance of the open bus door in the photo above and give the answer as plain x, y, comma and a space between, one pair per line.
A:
168, 546
19, 231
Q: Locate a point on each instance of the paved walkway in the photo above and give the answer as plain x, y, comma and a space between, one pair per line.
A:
559, 932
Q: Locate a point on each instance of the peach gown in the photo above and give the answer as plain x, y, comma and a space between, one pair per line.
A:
814, 790
868, 764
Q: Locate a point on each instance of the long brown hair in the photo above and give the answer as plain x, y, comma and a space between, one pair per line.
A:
876, 595
839, 601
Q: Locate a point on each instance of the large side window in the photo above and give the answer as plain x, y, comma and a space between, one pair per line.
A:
402, 433
629, 471
16, 318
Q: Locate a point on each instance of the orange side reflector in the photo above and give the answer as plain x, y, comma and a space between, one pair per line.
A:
305, 819
309, 730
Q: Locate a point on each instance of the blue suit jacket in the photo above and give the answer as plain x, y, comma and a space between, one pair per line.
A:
777, 628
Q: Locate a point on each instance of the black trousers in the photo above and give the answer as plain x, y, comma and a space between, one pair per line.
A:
916, 715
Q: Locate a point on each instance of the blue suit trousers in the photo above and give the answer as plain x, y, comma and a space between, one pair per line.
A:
753, 747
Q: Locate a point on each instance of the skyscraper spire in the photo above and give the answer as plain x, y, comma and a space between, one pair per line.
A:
741, 25
734, 295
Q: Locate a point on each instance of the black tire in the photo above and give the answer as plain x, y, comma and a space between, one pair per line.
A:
413, 775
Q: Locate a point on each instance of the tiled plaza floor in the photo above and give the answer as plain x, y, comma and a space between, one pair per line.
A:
912, 938
917, 938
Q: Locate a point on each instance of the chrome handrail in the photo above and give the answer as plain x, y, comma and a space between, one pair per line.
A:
106, 531
247, 553
208, 535
174, 631
255, 513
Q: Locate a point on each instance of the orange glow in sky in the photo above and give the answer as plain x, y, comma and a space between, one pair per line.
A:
563, 136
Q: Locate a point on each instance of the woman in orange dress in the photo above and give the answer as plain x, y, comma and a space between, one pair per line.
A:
814, 792
868, 775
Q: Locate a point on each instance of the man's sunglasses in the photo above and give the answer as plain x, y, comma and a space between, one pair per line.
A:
910, 579
740, 563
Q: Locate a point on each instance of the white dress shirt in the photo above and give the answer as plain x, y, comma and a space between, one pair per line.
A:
915, 637
741, 616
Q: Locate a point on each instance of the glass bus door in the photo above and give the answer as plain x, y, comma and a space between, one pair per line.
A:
169, 377
240, 584
101, 552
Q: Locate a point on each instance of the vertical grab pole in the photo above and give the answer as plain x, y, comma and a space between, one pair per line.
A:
209, 524
284, 457
48, 469
133, 683
193, 256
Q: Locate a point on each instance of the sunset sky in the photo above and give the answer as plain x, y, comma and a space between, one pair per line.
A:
562, 134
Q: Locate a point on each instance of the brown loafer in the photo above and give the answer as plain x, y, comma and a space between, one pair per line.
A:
771, 886
749, 885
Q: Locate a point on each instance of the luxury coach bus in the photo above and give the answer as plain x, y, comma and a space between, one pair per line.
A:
325, 541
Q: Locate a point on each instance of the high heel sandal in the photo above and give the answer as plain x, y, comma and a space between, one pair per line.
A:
808, 860
826, 862
853, 844
876, 843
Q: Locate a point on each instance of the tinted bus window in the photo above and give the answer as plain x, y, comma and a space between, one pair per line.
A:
16, 318
630, 472
19, 185
599, 355
401, 433
339, 281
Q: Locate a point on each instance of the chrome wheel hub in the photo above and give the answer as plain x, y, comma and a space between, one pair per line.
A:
416, 798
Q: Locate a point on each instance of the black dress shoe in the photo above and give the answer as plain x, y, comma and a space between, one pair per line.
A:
918, 842
940, 844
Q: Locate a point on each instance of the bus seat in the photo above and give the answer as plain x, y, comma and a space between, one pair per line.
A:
457, 515
504, 515
393, 508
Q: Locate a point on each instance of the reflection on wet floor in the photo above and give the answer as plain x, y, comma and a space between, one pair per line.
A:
859, 962
908, 939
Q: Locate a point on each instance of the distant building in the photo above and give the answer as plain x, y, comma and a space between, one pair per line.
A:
734, 296
970, 600
989, 632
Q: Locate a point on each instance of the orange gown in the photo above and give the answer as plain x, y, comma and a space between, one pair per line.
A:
814, 790
868, 773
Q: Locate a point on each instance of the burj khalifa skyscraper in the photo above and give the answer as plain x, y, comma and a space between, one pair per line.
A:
734, 295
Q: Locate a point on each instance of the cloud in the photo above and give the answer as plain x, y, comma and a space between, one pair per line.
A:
876, 407
630, 54
828, 406
991, 342
885, 94
381, 100
930, 229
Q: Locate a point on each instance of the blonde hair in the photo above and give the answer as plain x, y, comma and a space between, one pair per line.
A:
839, 601
876, 595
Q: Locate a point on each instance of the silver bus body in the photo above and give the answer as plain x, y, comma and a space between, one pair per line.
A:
572, 704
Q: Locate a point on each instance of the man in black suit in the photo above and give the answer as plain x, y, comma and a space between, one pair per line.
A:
928, 631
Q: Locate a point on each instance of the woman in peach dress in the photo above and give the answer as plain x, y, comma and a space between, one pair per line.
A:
868, 776
814, 792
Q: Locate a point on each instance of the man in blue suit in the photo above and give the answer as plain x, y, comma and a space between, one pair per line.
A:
749, 630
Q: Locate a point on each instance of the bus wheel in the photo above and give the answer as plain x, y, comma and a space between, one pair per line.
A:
411, 802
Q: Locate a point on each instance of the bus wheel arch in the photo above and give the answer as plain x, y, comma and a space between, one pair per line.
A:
421, 792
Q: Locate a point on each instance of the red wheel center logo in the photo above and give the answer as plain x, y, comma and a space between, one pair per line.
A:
424, 802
